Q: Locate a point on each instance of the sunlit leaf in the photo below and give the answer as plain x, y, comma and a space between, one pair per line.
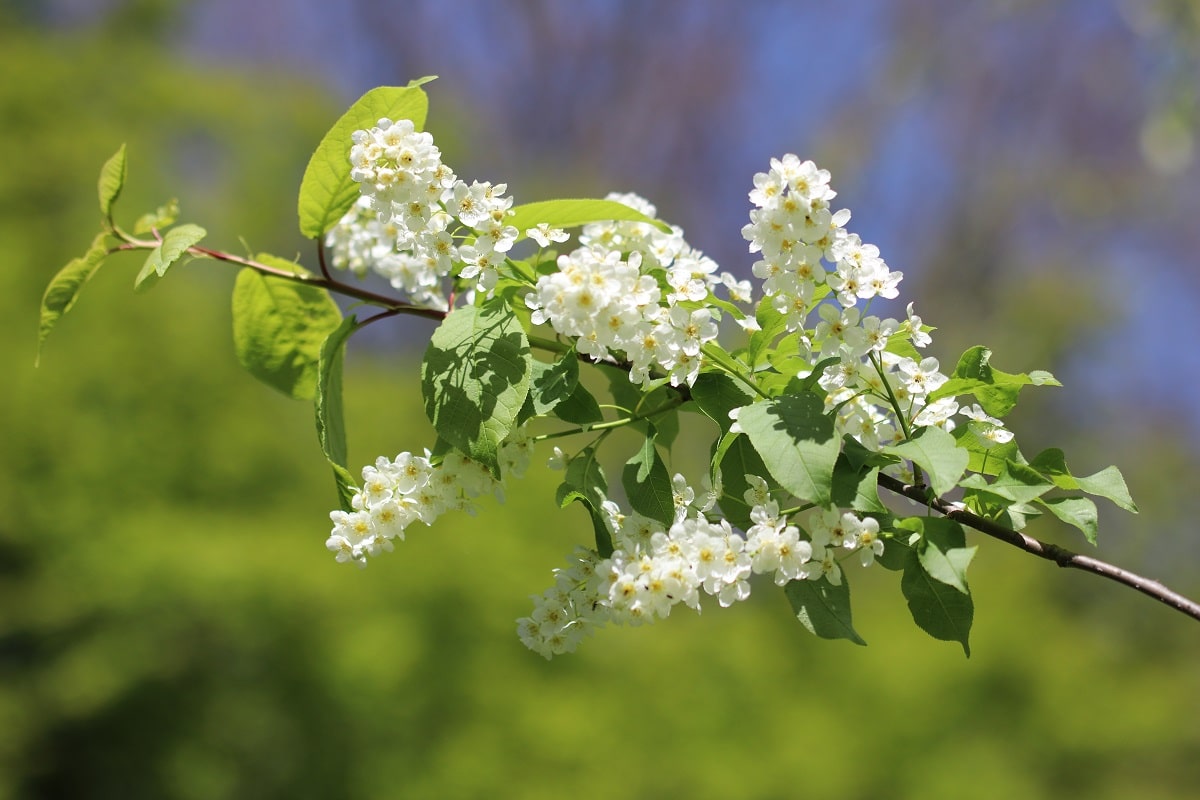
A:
64, 288
112, 180
572, 213
475, 378
326, 191
797, 443
279, 327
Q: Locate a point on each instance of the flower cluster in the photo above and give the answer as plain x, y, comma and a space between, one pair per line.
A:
607, 296
878, 389
416, 222
652, 568
398, 492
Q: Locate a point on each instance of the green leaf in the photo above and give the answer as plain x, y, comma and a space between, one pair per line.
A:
1077, 511
943, 552
938, 608
986, 456
717, 394
278, 330
112, 180
995, 390
574, 213
581, 407
1108, 482
174, 246
346, 487
331, 424
856, 489
647, 484
164, 216
584, 482
797, 443
475, 378
326, 191
895, 552
551, 384
64, 288
738, 459
936, 452
771, 325
1016, 483
823, 608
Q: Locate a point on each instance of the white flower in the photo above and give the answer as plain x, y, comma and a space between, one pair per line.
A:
543, 234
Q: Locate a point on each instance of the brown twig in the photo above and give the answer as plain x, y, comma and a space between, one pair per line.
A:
1051, 552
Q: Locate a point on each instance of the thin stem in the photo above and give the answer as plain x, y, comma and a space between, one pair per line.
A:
895, 404
391, 304
710, 353
1051, 552
321, 260
611, 424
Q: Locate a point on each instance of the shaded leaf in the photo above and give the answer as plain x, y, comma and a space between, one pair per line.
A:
823, 608
938, 608
716, 393
331, 424
647, 484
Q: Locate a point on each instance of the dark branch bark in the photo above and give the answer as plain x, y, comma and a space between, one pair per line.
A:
1051, 552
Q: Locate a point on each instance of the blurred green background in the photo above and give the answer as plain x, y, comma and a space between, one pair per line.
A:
171, 626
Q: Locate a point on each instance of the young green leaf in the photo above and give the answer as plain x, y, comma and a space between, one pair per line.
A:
1016, 483
1077, 511
278, 330
475, 378
936, 452
174, 246
162, 217
64, 288
647, 484
112, 180
1108, 482
797, 443
772, 324
995, 390
572, 213
986, 456
823, 608
326, 191
331, 424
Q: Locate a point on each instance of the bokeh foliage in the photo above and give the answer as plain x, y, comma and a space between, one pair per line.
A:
172, 627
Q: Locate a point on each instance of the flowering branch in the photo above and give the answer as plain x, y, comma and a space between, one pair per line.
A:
822, 404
